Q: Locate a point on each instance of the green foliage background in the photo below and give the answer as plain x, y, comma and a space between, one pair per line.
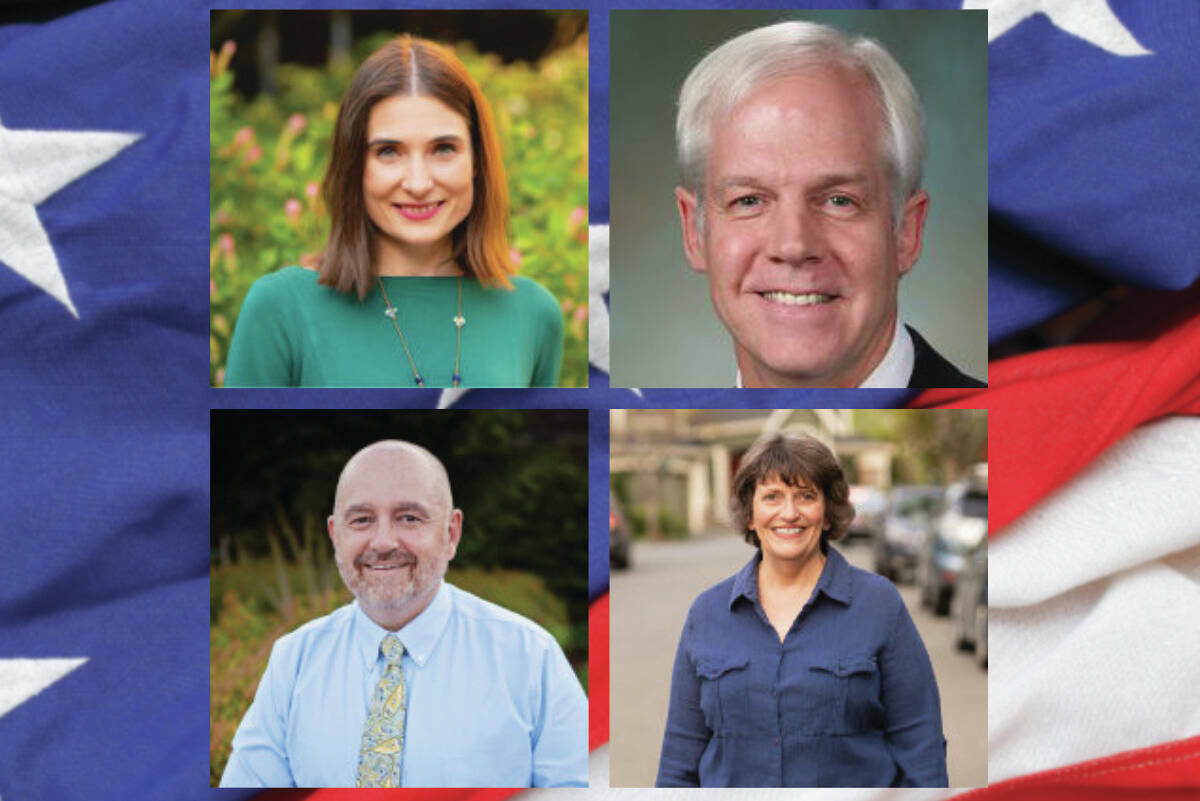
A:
268, 156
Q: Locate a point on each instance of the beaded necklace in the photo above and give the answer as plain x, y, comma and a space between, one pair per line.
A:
459, 322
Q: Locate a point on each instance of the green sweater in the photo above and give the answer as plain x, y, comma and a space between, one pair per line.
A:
293, 332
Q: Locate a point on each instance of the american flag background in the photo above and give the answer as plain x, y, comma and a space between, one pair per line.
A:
1094, 218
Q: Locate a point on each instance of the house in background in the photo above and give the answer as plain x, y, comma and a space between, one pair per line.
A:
673, 467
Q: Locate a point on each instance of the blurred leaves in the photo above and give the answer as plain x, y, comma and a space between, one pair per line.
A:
933, 446
268, 156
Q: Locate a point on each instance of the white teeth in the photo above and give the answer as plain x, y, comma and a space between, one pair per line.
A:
807, 299
789, 530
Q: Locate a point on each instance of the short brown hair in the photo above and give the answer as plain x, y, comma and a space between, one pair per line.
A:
792, 457
409, 65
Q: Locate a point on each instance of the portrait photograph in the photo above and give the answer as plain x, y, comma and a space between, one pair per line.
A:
398, 199
798, 199
399, 599
799, 598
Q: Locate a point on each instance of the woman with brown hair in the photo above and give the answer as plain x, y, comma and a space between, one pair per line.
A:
416, 286
800, 670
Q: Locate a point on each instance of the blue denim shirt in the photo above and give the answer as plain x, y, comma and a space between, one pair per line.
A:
848, 699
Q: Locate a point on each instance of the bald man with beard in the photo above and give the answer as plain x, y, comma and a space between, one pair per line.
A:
416, 683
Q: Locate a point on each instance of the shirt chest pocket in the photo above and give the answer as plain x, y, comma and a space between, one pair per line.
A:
847, 699
725, 693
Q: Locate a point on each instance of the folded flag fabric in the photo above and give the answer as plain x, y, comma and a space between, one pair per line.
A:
1103, 573
1059, 408
1086, 100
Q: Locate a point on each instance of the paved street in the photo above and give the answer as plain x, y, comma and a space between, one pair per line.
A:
648, 606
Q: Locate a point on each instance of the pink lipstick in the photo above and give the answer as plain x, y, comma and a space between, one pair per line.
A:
417, 211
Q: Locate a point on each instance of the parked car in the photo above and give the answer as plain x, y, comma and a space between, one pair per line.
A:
970, 605
906, 525
958, 529
869, 505
620, 538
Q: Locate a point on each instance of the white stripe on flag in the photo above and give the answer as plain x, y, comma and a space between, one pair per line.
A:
1094, 596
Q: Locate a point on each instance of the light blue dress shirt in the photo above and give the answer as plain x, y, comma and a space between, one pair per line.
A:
492, 702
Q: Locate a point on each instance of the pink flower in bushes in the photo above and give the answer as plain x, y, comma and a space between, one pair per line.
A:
311, 189
296, 123
292, 210
578, 215
225, 242
515, 255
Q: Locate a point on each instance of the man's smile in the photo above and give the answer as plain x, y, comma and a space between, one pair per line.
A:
797, 299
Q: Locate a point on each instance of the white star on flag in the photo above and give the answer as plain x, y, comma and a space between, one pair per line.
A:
1090, 20
597, 286
21, 679
34, 165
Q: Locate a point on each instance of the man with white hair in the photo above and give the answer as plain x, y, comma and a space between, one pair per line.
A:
416, 683
801, 153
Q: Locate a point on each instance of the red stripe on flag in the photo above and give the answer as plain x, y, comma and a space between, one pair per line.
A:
598, 672
1055, 410
1162, 773
597, 734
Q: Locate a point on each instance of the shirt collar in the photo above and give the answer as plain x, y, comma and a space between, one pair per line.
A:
835, 580
420, 636
896, 368
894, 371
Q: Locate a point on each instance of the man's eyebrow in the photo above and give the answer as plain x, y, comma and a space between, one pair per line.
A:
737, 180
411, 506
841, 179
823, 182
402, 506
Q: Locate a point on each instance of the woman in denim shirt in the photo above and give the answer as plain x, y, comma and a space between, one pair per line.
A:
800, 670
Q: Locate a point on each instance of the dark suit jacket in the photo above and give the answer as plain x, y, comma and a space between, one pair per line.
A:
932, 369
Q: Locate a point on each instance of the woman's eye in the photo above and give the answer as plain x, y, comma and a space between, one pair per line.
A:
387, 151
444, 148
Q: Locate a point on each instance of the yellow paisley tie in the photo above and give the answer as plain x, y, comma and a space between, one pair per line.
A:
383, 734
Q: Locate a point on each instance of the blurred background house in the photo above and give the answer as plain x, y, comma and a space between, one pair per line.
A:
671, 468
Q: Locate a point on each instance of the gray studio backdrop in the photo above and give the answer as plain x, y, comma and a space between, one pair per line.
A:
664, 332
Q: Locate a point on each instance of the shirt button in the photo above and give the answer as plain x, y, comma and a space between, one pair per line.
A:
774, 692
776, 741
